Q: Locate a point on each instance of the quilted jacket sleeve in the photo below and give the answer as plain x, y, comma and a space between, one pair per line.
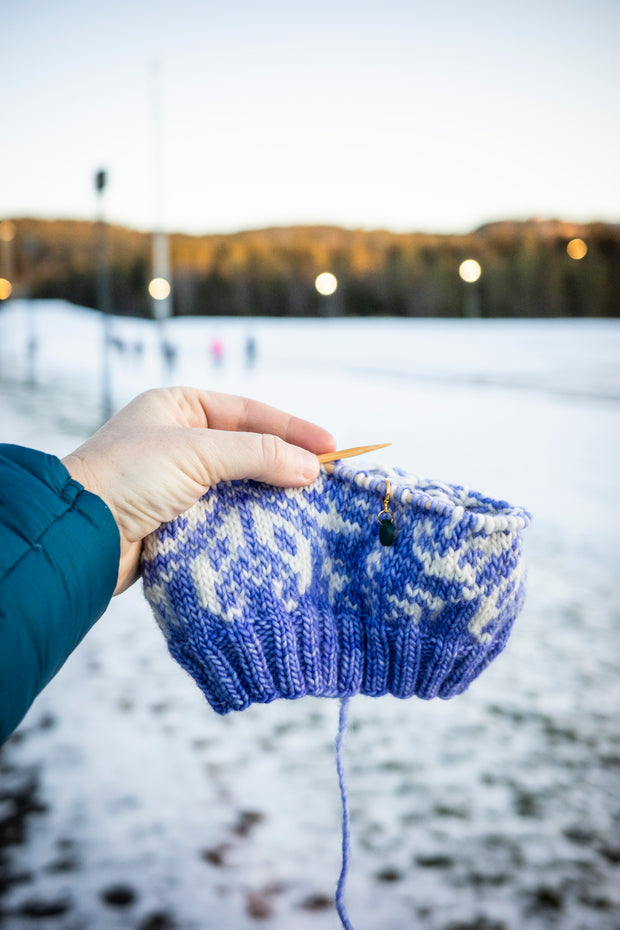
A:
59, 555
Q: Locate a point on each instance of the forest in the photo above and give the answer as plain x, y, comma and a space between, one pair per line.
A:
526, 269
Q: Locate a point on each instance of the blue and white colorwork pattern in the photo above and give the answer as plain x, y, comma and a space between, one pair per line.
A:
266, 593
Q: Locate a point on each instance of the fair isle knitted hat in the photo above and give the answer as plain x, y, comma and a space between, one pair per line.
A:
266, 593
367, 581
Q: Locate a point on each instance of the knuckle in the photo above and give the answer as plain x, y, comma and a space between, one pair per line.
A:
273, 449
146, 398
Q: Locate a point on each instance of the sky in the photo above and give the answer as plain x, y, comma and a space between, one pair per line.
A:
403, 115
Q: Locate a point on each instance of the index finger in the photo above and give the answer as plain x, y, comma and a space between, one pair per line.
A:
232, 412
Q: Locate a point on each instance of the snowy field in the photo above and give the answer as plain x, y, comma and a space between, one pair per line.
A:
125, 802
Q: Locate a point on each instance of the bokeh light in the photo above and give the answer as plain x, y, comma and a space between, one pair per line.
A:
159, 288
577, 249
470, 270
7, 231
326, 283
6, 288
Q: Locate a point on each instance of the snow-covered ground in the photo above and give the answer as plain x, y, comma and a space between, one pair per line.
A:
126, 803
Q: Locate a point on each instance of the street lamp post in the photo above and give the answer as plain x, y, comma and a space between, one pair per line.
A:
7, 234
104, 300
160, 287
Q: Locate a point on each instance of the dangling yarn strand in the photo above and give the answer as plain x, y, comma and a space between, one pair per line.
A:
346, 838
240, 585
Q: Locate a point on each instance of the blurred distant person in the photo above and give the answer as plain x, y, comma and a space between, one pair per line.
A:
217, 352
32, 350
169, 352
117, 343
71, 531
250, 352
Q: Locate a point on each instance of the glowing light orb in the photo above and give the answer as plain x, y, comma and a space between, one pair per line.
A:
6, 288
577, 249
7, 231
326, 283
470, 270
159, 288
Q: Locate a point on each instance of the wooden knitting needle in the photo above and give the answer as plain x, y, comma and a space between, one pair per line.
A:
347, 453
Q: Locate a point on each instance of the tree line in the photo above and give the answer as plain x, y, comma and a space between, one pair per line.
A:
526, 270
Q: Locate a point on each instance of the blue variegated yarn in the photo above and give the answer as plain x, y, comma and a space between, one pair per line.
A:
266, 593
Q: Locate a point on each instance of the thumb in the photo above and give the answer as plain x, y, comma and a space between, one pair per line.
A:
230, 456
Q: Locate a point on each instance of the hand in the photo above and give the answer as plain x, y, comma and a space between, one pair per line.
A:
160, 454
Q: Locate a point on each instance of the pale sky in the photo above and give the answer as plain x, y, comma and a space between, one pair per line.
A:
397, 114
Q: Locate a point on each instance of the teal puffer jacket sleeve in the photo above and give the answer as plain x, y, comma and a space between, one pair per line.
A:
59, 556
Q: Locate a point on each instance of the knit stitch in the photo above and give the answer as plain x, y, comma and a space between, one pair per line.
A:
266, 593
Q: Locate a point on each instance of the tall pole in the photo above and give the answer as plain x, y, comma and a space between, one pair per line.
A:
161, 295
7, 235
104, 299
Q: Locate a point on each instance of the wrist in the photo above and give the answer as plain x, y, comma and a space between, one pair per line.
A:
80, 471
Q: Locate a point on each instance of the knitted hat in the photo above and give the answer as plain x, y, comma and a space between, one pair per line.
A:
266, 593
